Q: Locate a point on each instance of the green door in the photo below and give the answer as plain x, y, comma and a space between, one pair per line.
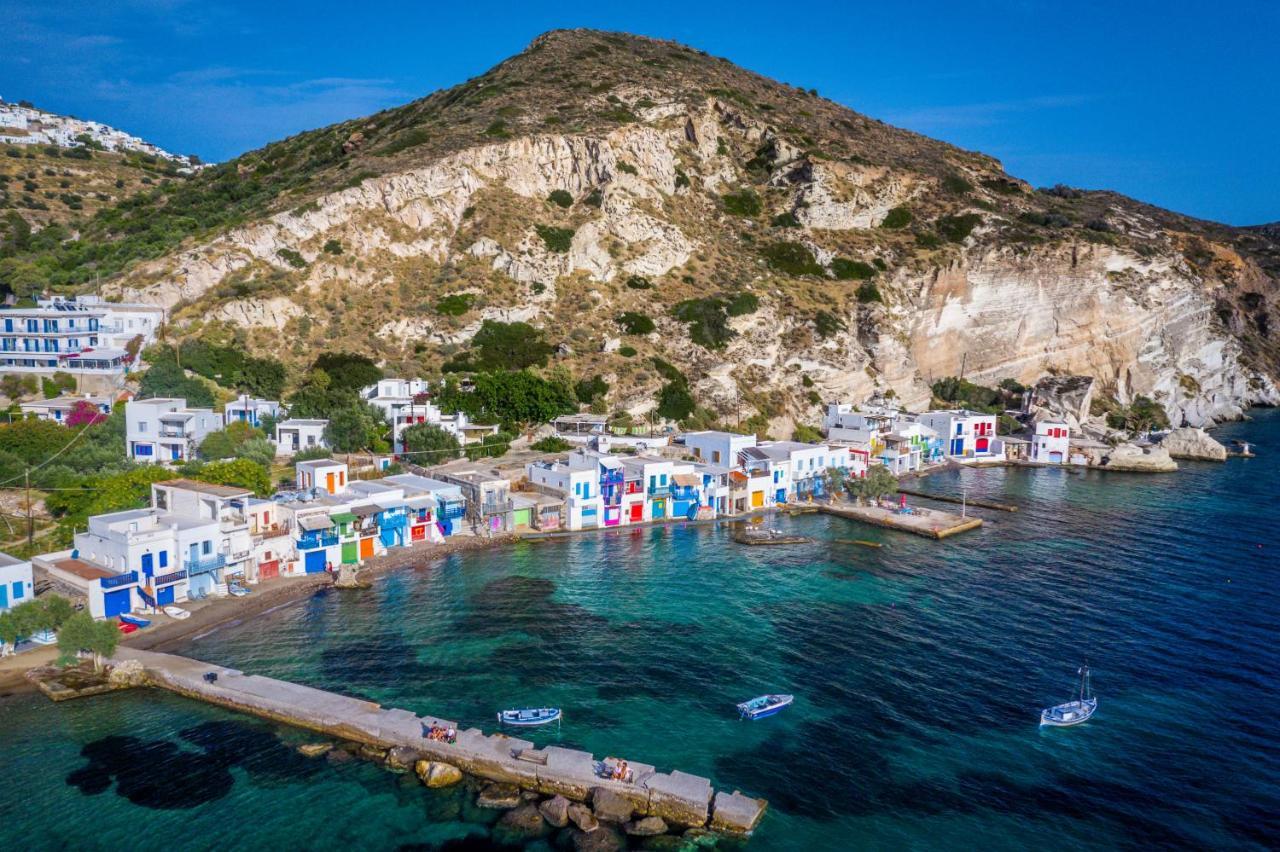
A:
349, 553
521, 517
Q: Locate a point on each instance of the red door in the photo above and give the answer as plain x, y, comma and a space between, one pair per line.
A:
419, 533
637, 512
267, 570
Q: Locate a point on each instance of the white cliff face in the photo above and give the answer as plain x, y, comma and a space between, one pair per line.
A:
1149, 331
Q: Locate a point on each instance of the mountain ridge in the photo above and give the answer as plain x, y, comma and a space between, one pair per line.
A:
870, 251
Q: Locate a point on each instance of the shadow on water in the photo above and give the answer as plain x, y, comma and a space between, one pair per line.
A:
161, 774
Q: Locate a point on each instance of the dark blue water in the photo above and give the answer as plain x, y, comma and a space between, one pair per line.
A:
919, 668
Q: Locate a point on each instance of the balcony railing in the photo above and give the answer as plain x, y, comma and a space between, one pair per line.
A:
660, 491
495, 507
311, 542
119, 580
392, 522
166, 579
209, 563
452, 511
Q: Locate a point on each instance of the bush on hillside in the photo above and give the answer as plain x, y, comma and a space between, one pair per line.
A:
791, 258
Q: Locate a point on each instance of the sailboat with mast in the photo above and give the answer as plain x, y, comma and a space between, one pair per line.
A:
1073, 712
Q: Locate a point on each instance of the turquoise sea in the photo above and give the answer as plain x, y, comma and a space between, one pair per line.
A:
919, 668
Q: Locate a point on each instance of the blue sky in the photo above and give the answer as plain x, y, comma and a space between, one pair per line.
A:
1176, 103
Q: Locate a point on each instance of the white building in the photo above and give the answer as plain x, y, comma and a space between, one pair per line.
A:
578, 480
164, 430
16, 585
405, 403
966, 435
295, 435
721, 448
328, 475
248, 409
59, 408
25, 125
83, 336
1051, 443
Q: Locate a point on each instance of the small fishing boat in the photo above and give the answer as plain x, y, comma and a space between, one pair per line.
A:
175, 612
136, 620
529, 717
127, 627
1073, 712
764, 706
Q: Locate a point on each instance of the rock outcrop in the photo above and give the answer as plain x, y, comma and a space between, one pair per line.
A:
1131, 457
1191, 443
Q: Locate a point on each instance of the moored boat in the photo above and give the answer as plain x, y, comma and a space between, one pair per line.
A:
764, 706
136, 620
1072, 712
529, 717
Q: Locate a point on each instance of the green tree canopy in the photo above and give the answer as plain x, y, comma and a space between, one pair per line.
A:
430, 444
348, 371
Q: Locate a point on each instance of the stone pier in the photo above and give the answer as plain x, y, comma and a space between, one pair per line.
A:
677, 797
929, 523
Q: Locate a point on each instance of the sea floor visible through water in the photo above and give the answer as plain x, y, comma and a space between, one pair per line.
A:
919, 670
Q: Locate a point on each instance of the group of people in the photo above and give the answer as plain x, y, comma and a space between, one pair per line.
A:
439, 733
620, 770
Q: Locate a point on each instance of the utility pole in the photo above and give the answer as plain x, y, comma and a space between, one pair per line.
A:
963, 359
31, 533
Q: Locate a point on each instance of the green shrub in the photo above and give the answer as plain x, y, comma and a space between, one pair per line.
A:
556, 239
898, 217
587, 390
638, 282
626, 168
785, 220
594, 198
791, 258
852, 270
498, 130
956, 185
869, 292
332, 247
292, 258
675, 402
1003, 186
928, 239
668, 371
956, 228
744, 202
455, 304
627, 351
551, 444
410, 138
682, 179
561, 198
708, 322
633, 322
743, 304
499, 346
826, 324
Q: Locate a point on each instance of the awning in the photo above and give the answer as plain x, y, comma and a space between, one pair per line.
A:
687, 480
342, 518
311, 523
366, 511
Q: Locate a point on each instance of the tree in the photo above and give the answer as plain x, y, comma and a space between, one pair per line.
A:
347, 370
354, 428
551, 444
806, 434
226, 443
675, 402
495, 445
85, 413
167, 379
81, 633
837, 482
9, 633
430, 444
877, 483
511, 398
239, 473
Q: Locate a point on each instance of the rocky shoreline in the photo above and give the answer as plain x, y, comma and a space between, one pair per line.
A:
606, 821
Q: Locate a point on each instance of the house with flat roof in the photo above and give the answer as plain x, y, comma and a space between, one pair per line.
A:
328, 475
59, 408
295, 435
165, 430
251, 410
16, 584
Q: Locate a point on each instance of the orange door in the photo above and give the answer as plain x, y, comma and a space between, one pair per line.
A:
329, 482
366, 547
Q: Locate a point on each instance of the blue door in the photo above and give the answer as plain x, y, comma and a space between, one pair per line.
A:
957, 446
146, 564
780, 496
117, 602
164, 595
4, 597
315, 562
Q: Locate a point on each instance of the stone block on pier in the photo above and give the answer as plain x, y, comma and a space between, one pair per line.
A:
734, 813
569, 772
494, 757
679, 798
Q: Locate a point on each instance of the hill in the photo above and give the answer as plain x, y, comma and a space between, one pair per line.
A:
632, 198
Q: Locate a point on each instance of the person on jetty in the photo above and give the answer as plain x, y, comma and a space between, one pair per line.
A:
621, 772
439, 734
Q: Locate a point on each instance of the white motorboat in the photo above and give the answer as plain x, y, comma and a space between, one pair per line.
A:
1073, 712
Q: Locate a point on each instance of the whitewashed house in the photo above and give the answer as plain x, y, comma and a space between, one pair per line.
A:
165, 430
251, 410
966, 436
59, 408
16, 585
296, 435
1051, 442
328, 475
721, 448
578, 479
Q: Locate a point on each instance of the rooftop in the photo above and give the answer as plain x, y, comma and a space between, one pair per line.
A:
315, 464
206, 488
83, 570
301, 422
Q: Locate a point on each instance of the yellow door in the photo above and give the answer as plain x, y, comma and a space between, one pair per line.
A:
329, 482
757, 499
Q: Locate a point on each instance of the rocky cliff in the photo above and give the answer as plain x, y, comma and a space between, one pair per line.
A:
596, 174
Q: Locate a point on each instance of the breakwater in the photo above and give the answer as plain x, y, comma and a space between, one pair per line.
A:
947, 498
929, 523
676, 797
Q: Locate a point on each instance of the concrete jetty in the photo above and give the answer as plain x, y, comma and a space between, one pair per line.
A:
677, 797
929, 523
947, 498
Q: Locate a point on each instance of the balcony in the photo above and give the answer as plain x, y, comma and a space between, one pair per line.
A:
660, 491
166, 579
172, 433
495, 507
452, 511
392, 522
209, 563
119, 580
311, 541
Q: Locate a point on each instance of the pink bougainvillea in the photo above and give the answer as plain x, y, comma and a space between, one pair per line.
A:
84, 413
